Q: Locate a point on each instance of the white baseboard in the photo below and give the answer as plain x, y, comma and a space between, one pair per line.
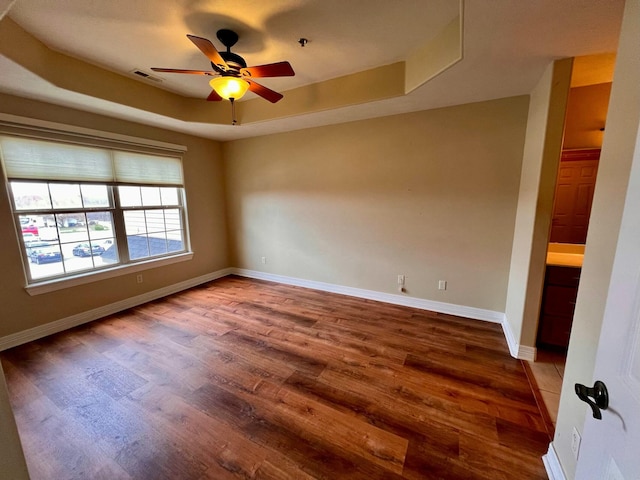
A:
440, 307
56, 326
527, 353
552, 464
521, 352
517, 351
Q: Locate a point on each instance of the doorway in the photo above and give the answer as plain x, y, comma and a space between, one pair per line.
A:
577, 174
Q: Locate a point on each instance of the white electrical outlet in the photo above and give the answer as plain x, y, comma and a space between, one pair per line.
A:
575, 442
442, 285
264, 259
401, 279
139, 278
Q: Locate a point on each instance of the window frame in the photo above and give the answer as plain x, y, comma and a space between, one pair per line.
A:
119, 233
53, 132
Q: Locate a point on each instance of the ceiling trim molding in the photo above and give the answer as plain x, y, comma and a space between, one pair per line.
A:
437, 55
10, 123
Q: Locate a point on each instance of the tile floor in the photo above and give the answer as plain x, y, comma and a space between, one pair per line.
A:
548, 372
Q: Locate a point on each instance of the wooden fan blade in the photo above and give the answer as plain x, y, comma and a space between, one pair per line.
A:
209, 50
280, 69
214, 97
264, 92
175, 70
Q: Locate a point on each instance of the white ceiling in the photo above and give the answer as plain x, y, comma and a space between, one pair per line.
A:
507, 45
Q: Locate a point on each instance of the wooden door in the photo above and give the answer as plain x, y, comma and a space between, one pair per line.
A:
611, 446
574, 195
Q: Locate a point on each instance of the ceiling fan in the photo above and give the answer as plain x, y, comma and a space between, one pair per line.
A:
232, 76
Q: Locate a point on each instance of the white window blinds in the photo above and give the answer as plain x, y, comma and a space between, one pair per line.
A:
35, 159
147, 169
25, 158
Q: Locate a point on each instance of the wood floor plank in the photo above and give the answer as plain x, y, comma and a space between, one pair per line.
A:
77, 455
415, 401
380, 412
377, 445
335, 345
247, 379
234, 454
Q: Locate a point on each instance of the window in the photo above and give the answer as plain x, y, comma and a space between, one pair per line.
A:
152, 220
85, 209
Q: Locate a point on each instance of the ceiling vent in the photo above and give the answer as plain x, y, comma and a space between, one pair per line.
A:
145, 75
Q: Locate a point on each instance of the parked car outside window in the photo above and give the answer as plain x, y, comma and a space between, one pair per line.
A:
30, 229
44, 254
85, 250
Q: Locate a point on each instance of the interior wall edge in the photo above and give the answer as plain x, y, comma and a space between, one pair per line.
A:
521, 352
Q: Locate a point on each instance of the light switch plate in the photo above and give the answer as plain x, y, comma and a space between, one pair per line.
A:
575, 442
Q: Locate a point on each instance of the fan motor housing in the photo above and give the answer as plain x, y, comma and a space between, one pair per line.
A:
233, 60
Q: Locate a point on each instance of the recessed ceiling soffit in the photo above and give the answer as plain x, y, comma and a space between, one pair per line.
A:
423, 63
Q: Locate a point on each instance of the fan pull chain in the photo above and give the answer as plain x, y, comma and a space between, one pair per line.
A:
233, 111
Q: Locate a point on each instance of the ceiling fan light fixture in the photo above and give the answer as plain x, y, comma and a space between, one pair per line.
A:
229, 87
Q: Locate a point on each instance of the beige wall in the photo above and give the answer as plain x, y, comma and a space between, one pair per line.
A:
623, 120
430, 195
206, 208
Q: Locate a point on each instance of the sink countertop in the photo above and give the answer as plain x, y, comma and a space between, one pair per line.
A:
565, 259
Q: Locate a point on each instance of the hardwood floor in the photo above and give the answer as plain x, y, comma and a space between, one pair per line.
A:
242, 378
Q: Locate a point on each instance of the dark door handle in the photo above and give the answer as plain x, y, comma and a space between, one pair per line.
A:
599, 394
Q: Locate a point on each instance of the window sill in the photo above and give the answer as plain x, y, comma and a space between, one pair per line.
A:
82, 279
